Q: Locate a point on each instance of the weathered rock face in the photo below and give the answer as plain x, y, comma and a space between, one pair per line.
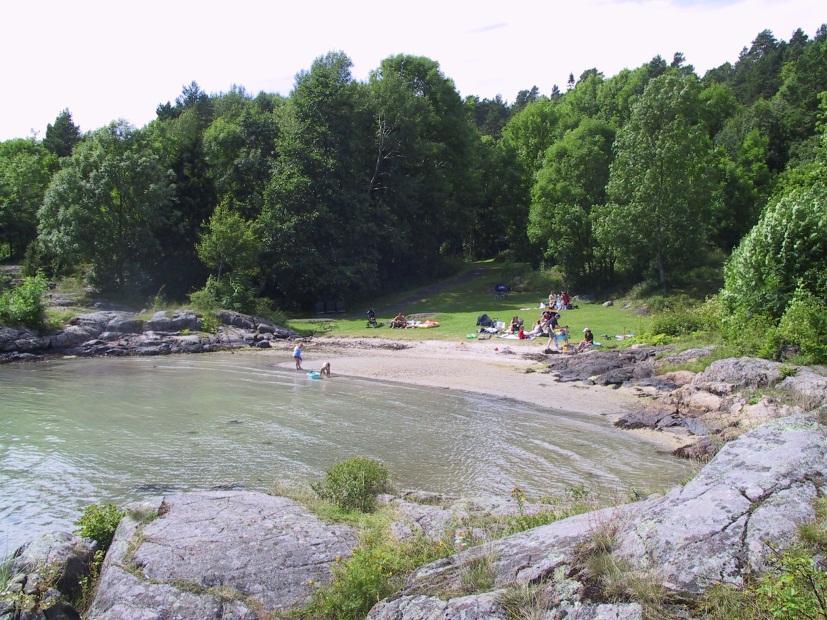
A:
759, 487
721, 401
605, 367
434, 516
474, 607
218, 554
121, 333
48, 571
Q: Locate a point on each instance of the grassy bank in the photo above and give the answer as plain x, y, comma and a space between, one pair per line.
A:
456, 303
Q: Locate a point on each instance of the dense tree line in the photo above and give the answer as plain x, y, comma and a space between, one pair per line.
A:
346, 188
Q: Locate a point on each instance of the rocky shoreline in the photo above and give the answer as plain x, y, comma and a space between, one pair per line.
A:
116, 333
234, 554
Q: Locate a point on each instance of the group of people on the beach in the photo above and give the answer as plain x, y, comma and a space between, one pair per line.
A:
548, 324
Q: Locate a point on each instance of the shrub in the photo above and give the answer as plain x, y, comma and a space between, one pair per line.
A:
677, 322
353, 484
99, 522
374, 571
24, 303
804, 324
234, 293
785, 250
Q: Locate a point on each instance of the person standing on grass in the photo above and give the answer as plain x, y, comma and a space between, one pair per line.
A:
297, 355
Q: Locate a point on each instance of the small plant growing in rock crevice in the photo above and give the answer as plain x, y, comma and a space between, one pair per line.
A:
612, 579
99, 522
354, 484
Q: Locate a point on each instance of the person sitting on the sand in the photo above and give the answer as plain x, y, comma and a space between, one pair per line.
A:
399, 321
588, 340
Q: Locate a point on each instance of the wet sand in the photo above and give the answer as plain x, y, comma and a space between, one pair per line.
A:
493, 367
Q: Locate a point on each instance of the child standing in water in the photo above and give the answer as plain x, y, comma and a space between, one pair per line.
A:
325, 371
297, 356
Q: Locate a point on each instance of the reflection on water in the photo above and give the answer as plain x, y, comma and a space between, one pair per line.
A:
74, 432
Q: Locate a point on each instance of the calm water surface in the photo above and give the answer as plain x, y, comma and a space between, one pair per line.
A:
78, 431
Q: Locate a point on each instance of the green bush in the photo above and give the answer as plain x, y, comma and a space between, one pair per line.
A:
374, 571
785, 250
99, 522
234, 293
804, 324
24, 303
678, 322
353, 484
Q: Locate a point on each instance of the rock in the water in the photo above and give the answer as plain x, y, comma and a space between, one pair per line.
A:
218, 555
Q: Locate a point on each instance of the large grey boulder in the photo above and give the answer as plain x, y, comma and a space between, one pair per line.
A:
604, 367
806, 387
740, 372
760, 487
217, 555
182, 319
125, 325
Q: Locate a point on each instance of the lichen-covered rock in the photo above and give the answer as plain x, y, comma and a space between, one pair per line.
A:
806, 387
614, 611
57, 559
758, 487
472, 607
218, 555
741, 372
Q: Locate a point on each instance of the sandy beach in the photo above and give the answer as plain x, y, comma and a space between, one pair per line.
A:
491, 367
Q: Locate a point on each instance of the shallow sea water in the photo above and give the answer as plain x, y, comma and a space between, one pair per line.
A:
73, 432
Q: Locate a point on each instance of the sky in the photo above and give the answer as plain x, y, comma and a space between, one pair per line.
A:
111, 59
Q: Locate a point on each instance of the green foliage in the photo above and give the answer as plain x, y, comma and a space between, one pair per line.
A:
678, 322
804, 325
572, 179
374, 571
230, 242
354, 483
25, 170
786, 249
234, 292
99, 522
62, 137
24, 304
102, 205
661, 182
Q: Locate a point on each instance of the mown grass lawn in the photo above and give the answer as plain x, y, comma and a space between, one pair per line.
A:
456, 302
